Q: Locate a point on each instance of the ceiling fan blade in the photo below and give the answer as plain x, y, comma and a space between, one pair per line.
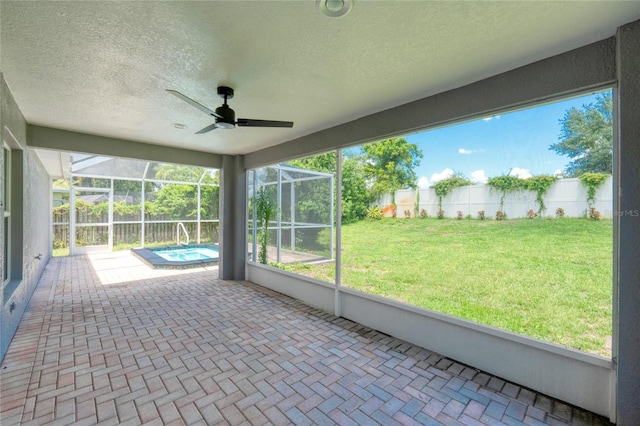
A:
248, 122
207, 129
193, 103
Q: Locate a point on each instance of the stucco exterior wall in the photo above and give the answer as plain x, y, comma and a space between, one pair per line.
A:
31, 211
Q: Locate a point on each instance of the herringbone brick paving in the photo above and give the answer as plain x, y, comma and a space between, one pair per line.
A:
109, 341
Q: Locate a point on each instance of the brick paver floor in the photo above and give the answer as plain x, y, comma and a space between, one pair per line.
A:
107, 340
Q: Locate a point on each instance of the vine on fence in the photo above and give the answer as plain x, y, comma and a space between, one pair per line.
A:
445, 186
505, 184
540, 185
592, 181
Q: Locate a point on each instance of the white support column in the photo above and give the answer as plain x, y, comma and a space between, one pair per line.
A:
254, 225
110, 218
278, 217
142, 198
72, 218
338, 252
198, 214
333, 204
293, 216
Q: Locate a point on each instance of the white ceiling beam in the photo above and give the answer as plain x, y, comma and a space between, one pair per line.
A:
64, 140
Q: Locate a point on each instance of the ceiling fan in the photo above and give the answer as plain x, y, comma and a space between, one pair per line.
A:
225, 116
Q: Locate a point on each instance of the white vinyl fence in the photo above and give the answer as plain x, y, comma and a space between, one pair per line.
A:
568, 194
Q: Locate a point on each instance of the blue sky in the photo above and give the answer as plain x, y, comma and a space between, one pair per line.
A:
516, 142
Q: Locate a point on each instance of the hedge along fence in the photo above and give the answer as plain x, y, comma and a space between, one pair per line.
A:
569, 194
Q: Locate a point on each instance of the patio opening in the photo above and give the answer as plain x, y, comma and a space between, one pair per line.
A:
116, 204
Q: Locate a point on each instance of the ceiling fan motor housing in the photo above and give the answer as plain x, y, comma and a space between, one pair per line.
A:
228, 120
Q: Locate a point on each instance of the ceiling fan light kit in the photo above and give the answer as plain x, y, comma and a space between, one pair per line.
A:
225, 116
334, 8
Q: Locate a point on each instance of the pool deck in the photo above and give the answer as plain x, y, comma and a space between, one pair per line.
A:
108, 340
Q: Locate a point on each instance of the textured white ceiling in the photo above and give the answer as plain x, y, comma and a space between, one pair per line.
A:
103, 67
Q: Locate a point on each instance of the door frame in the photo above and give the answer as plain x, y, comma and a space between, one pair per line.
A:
73, 249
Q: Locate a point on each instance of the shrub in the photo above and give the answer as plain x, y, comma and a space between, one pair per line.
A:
59, 244
559, 212
407, 214
481, 214
440, 214
500, 215
459, 215
594, 214
282, 266
531, 214
374, 213
423, 214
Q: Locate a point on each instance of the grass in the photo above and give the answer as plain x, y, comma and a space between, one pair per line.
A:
547, 279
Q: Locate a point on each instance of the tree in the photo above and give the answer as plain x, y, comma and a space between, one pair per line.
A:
587, 137
389, 165
265, 210
355, 198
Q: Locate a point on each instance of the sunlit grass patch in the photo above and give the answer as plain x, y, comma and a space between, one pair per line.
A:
547, 279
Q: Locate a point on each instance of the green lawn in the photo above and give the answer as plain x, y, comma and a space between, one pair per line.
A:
548, 279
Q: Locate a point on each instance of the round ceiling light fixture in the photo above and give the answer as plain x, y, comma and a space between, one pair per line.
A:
334, 8
179, 126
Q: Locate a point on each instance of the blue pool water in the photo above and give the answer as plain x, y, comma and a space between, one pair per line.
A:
187, 254
179, 257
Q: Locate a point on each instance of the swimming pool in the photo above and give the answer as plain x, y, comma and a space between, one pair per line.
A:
179, 257
187, 253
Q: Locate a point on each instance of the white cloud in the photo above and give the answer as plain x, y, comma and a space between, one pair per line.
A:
478, 176
497, 117
423, 182
446, 173
559, 173
521, 173
465, 151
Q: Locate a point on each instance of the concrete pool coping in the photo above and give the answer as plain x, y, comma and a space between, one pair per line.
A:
148, 256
